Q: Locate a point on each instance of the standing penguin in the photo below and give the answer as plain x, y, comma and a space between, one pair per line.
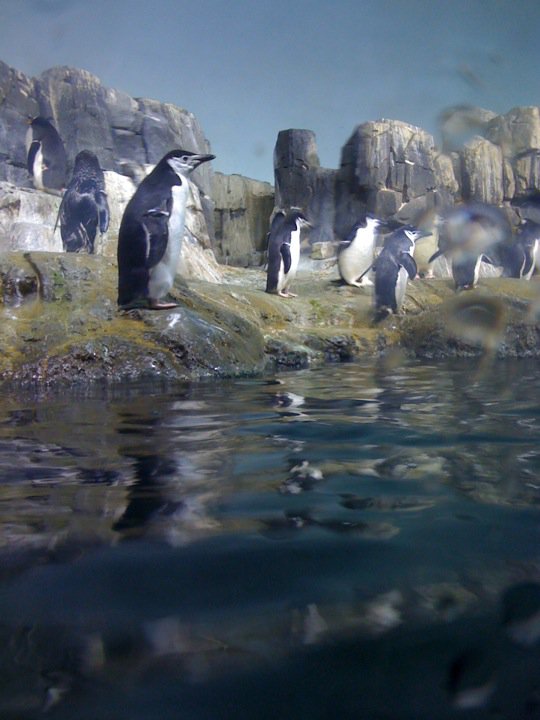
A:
393, 267
84, 205
470, 234
45, 155
355, 256
528, 239
284, 252
151, 232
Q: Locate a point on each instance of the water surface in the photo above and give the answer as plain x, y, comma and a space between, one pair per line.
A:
339, 541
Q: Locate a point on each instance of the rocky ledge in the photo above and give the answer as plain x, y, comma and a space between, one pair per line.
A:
60, 324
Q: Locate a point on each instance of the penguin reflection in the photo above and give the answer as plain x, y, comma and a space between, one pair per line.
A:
176, 467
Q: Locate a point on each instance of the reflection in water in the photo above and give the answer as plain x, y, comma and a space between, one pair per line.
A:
229, 548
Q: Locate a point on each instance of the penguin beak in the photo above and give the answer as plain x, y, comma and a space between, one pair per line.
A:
196, 160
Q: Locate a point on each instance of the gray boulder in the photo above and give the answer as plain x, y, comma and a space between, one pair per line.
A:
301, 182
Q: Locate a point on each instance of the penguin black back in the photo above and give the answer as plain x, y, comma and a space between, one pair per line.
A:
393, 267
84, 207
46, 155
283, 251
151, 231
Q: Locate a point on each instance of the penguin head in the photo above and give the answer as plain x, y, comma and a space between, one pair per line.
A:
372, 222
297, 217
183, 162
41, 126
86, 159
413, 233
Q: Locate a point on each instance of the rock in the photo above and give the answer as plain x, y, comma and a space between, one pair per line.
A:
445, 177
64, 327
323, 250
458, 124
27, 219
242, 218
127, 135
516, 132
17, 104
386, 155
59, 323
482, 171
75, 100
301, 182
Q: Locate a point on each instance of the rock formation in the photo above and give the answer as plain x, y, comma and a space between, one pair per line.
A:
301, 182
395, 170
242, 213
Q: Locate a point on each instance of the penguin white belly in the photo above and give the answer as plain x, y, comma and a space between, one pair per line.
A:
401, 287
162, 275
355, 260
535, 256
37, 170
285, 279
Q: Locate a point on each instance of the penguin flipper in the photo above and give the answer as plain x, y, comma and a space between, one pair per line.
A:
156, 227
285, 251
103, 211
32, 152
408, 262
435, 255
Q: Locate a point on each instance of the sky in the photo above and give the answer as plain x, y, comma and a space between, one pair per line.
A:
248, 69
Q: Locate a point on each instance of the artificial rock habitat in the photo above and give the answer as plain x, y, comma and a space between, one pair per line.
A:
59, 318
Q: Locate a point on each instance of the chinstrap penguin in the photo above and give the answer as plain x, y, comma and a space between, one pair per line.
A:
528, 239
84, 207
284, 252
471, 234
45, 155
393, 267
151, 232
356, 253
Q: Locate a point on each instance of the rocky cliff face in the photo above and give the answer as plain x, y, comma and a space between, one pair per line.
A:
128, 136
395, 170
242, 212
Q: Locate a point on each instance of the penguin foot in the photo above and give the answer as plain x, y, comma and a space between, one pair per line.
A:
156, 305
281, 293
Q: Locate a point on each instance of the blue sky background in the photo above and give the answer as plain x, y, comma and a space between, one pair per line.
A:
250, 69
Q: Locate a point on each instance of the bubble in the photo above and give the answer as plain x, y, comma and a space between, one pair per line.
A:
477, 319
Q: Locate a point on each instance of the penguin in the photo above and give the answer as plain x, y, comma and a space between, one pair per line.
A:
427, 247
84, 205
45, 155
528, 239
393, 267
472, 233
284, 252
355, 255
151, 232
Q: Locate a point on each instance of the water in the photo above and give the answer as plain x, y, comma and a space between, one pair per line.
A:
332, 542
